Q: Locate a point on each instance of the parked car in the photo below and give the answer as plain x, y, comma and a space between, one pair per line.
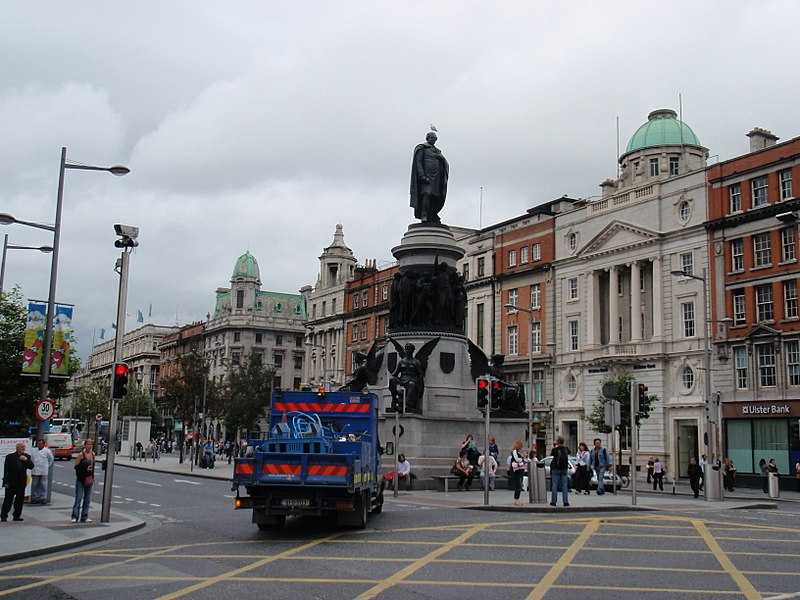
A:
608, 478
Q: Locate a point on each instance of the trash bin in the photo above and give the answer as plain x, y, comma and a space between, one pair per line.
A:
774, 486
712, 482
537, 484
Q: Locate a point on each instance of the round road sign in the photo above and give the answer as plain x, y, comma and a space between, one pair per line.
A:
44, 409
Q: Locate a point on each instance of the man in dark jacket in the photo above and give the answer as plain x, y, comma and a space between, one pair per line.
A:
15, 476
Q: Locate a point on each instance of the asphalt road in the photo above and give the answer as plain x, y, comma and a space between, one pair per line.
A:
197, 546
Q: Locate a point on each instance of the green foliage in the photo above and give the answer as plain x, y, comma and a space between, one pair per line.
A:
247, 395
182, 390
18, 394
91, 399
596, 418
138, 402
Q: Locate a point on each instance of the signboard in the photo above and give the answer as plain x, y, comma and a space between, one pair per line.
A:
44, 409
761, 410
34, 339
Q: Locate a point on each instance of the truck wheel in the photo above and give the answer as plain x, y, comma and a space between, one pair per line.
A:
363, 510
378, 508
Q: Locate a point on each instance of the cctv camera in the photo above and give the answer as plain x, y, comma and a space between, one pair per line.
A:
128, 231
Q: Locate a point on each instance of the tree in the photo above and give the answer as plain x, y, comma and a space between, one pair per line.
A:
597, 418
247, 395
183, 392
138, 402
18, 394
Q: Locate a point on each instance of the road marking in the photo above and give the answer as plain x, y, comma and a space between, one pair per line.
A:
156, 505
149, 483
415, 566
744, 584
186, 481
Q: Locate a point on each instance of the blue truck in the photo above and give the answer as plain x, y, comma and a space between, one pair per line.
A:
320, 456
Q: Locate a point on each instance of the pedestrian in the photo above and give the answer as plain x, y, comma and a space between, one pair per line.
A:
703, 463
600, 461
650, 462
43, 459
762, 464
728, 474
797, 474
490, 470
84, 480
15, 477
583, 474
772, 467
464, 471
403, 473
517, 463
494, 450
559, 472
658, 474
695, 474
472, 452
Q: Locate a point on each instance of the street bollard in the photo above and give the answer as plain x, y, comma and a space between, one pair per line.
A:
774, 486
538, 484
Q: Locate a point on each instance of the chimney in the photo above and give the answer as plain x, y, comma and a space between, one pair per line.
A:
761, 138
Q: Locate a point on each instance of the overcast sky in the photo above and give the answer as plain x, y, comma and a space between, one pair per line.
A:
258, 125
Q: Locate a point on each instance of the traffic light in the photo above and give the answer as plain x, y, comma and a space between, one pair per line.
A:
482, 392
496, 393
641, 404
120, 385
399, 401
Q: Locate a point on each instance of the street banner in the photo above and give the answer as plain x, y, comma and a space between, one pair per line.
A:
34, 339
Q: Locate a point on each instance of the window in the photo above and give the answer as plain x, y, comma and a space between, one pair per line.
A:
333, 306
790, 299
385, 291
276, 382
537, 252
735, 196
523, 255
278, 307
363, 330
236, 358
536, 337
740, 365
572, 385
365, 298
767, 377
759, 187
785, 181
237, 336
687, 312
314, 311
479, 316
573, 288
481, 266
355, 301
572, 242
573, 335
674, 164
536, 295
464, 271
793, 362
354, 332
278, 360
684, 211
298, 341
324, 307
513, 297
764, 306
653, 167
298, 361
687, 378
687, 263
739, 314
258, 358
239, 298
512, 258
761, 250
513, 340
788, 245
737, 255
259, 337
279, 340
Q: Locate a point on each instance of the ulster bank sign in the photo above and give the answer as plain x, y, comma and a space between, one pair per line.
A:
772, 409
761, 410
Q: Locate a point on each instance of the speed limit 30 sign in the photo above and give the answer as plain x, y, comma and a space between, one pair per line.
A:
45, 409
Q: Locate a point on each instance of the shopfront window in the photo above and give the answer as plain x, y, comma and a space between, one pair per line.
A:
770, 440
739, 445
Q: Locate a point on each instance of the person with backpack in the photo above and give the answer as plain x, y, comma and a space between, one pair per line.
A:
559, 472
600, 461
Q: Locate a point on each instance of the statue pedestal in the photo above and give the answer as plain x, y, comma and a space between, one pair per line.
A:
425, 244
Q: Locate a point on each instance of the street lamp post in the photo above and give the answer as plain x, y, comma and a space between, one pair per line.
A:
7, 247
6, 219
139, 377
713, 491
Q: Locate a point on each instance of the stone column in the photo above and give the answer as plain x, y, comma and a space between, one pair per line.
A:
592, 310
658, 299
613, 305
636, 303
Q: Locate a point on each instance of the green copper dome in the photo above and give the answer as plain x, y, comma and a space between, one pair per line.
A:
662, 129
247, 267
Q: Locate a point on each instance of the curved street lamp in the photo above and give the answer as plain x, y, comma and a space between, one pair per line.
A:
6, 219
7, 247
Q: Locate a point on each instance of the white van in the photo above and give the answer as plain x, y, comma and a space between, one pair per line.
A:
60, 443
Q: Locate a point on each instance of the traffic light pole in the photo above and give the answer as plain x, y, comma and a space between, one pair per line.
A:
634, 387
122, 301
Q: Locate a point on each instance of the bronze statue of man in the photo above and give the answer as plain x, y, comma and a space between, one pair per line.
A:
429, 174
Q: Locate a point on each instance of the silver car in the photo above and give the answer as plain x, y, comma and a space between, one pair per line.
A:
608, 477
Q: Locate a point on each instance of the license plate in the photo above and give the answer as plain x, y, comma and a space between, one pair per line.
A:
296, 502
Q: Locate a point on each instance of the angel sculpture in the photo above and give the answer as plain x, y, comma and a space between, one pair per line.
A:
410, 374
366, 372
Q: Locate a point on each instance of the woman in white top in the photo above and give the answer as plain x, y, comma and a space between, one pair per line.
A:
583, 473
658, 474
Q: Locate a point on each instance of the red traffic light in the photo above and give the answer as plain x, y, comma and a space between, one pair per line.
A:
483, 384
121, 369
